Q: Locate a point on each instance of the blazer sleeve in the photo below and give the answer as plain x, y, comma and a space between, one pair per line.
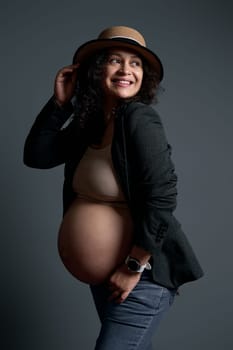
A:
47, 143
152, 177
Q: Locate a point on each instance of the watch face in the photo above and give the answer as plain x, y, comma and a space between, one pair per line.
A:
133, 265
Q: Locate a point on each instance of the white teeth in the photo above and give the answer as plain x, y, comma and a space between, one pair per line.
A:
125, 82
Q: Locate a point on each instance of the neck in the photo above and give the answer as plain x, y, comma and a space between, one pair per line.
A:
109, 102
109, 111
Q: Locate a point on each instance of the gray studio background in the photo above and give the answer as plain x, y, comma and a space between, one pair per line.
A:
42, 306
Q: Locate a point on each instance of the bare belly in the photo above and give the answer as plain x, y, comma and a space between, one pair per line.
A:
93, 239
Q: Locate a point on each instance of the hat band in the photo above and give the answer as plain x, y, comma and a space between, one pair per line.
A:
125, 38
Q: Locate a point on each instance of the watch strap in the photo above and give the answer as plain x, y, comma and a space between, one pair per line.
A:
141, 267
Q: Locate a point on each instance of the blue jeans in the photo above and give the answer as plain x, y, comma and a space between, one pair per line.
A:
131, 324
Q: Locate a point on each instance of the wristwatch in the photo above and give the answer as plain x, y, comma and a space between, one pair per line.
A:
134, 264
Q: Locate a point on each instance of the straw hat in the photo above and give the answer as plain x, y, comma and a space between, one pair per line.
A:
119, 36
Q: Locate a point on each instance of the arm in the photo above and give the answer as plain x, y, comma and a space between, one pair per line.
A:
153, 191
47, 144
153, 178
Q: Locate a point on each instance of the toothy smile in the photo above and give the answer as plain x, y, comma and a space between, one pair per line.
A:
122, 82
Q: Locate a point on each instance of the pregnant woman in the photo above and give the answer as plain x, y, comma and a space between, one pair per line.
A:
118, 232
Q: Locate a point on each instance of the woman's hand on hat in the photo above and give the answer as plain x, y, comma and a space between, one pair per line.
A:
65, 84
121, 283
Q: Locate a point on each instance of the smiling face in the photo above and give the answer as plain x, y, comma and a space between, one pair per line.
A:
123, 75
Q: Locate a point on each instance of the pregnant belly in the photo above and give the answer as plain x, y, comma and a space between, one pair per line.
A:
93, 239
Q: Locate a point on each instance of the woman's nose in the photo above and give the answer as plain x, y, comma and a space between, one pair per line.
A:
125, 68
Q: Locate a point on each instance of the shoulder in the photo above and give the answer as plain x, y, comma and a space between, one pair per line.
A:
138, 114
139, 108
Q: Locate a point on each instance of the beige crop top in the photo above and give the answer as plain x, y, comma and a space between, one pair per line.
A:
95, 179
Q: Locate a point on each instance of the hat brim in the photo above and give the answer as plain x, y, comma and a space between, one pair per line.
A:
93, 46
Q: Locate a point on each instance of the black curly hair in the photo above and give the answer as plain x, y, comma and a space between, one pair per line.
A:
89, 95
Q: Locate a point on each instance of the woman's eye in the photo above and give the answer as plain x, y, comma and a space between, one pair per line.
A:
114, 60
136, 64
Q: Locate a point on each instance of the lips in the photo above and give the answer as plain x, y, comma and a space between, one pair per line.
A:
122, 82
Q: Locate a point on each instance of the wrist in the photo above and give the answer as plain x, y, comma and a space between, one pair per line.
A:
140, 254
58, 103
134, 265
67, 106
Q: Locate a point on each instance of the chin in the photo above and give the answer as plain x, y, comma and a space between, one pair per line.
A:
124, 96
